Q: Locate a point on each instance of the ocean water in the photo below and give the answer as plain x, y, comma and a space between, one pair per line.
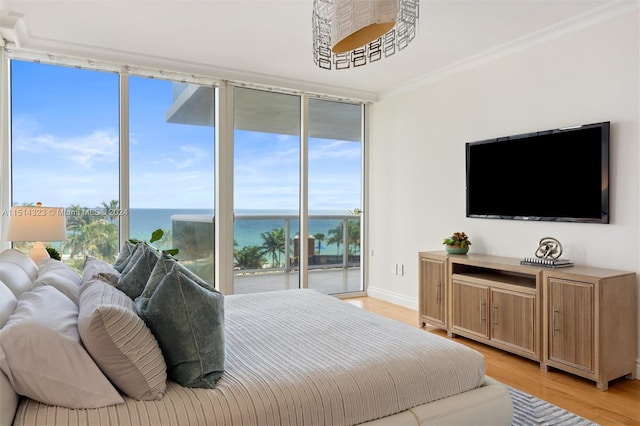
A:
246, 232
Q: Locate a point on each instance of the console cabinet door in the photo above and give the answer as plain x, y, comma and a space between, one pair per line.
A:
571, 327
513, 319
432, 291
470, 308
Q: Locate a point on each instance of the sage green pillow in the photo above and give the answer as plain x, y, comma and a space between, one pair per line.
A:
186, 316
124, 256
134, 277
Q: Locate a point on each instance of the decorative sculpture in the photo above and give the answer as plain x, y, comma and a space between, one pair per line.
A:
549, 248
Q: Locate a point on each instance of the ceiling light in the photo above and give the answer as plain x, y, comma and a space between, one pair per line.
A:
352, 33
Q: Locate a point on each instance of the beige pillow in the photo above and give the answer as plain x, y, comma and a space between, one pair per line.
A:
41, 354
120, 342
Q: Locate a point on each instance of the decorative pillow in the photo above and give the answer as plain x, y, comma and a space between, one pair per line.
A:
134, 277
15, 278
60, 276
8, 302
111, 279
124, 256
120, 342
22, 260
93, 266
186, 316
41, 354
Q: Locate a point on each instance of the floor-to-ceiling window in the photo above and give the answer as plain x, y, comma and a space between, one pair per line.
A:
122, 151
171, 168
266, 189
268, 184
65, 152
335, 196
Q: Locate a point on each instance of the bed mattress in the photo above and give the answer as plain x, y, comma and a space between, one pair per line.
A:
299, 357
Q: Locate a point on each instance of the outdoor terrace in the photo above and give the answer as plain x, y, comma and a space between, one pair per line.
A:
332, 269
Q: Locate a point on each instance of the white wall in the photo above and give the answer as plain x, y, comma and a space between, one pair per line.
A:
417, 157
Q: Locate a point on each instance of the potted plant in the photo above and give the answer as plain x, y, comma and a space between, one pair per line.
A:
458, 243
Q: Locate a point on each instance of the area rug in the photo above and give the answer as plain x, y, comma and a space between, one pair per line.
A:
529, 410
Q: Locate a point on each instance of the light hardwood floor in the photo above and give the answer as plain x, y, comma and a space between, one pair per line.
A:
620, 405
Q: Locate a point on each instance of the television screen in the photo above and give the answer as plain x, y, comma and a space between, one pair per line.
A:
552, 175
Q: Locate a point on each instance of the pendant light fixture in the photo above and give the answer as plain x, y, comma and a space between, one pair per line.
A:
352, 33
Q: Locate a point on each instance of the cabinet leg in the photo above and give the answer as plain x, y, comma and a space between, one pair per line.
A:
603, 386
544, 367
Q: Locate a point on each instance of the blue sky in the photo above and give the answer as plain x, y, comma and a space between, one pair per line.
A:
66, 149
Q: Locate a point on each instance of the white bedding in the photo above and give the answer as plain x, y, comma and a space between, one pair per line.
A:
299, 357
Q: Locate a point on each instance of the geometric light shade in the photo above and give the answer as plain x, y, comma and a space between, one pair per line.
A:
352, 33
358, 22
37, 224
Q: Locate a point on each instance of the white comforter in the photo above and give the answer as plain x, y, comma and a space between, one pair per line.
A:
298, 357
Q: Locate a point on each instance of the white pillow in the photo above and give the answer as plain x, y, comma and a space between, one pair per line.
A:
120, 342
41, 354
8, 303
60, 276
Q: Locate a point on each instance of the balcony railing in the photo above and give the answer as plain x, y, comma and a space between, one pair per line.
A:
193, 235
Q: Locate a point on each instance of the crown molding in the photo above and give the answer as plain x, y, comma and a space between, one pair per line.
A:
52, 47
576, 23
12, 28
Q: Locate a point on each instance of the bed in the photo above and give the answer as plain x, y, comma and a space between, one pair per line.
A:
293, 357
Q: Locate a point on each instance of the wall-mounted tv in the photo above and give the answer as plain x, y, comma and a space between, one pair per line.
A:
557, 175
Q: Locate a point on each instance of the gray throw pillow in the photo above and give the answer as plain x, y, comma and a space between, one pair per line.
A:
124, 256
134, 277
186, 316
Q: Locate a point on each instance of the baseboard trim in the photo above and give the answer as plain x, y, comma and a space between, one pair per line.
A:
391, 297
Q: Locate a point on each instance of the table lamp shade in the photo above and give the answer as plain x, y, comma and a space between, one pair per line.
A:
28, 223
37, 224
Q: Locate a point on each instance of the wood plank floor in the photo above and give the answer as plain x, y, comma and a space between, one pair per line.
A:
620, 405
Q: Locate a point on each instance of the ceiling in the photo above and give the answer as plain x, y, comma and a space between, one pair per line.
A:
269, 41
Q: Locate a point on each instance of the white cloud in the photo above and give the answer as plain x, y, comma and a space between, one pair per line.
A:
99, 146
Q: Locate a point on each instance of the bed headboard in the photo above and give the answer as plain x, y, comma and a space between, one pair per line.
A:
17, 273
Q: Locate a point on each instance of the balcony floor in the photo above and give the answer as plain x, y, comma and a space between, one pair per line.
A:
328, 281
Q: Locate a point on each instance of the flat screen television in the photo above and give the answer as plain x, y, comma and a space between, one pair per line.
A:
557, 175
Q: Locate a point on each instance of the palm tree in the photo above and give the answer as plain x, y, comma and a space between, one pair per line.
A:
248, 257
74, 243
354, 235
320, 237
337, 236
101, 239
111, 209
273, 245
